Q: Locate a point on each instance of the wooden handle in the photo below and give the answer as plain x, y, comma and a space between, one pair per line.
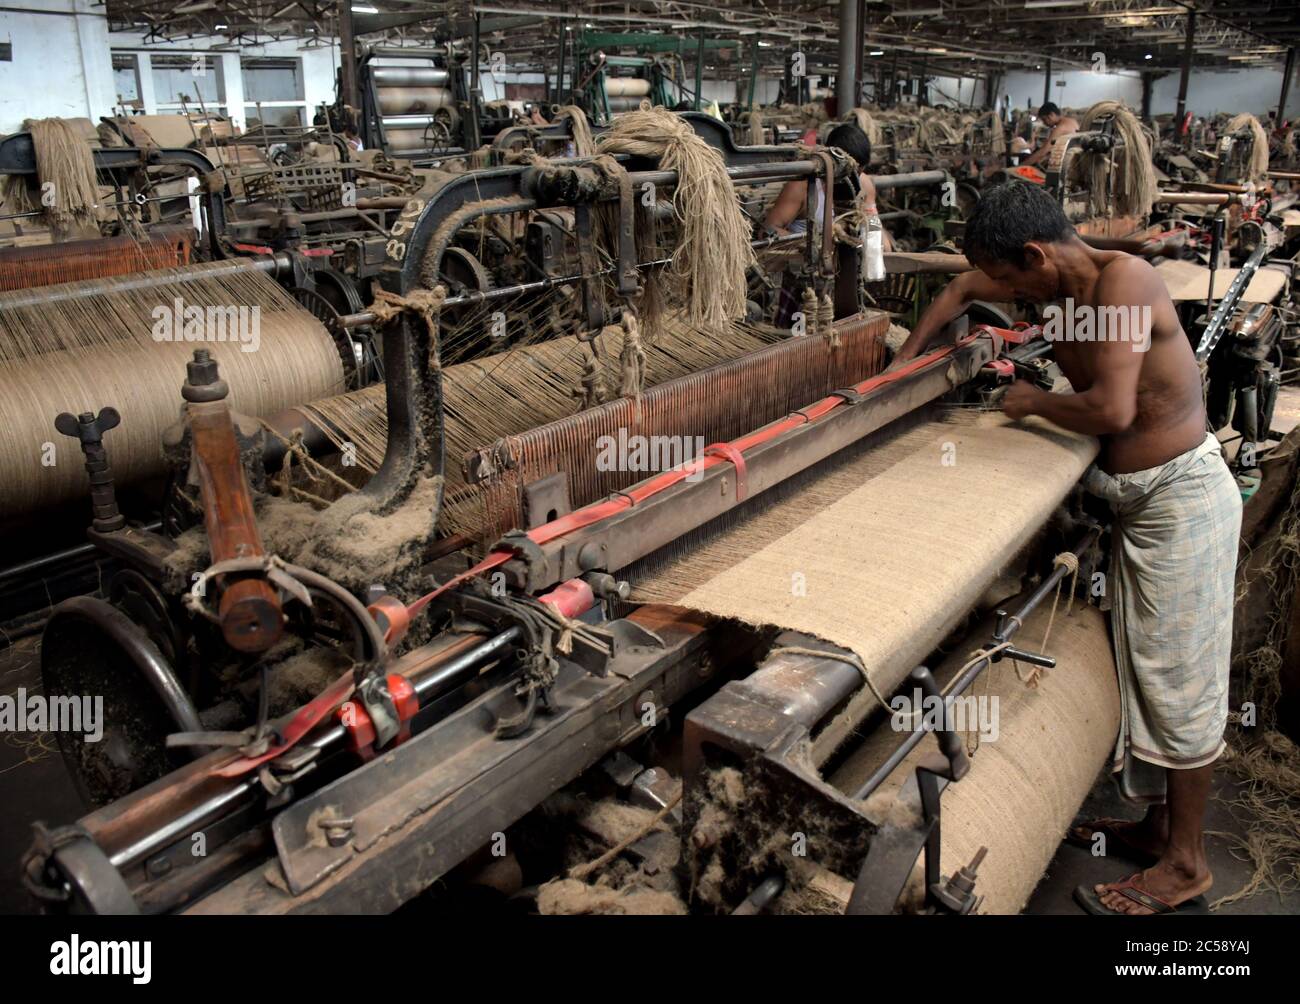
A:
249, 608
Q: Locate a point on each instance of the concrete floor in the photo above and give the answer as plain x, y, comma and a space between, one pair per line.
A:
1073, 866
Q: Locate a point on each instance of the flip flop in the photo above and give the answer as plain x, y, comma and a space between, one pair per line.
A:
1115, 841
1090, 900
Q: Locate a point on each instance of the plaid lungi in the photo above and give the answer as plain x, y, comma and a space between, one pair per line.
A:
1173, 569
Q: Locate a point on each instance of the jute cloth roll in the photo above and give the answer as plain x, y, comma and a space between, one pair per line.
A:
1025, 786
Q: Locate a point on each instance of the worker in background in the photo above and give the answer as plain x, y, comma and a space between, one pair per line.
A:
352, 138
1177, 516
1059, 124
787, 213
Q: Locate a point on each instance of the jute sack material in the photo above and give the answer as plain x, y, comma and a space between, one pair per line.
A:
889, 569
1026, 785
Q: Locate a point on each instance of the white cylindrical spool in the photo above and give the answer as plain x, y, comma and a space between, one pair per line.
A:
409, 76
413, 100
627, 87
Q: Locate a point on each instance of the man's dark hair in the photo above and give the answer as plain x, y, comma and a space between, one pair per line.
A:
850, 138
1048, 108
1007, 217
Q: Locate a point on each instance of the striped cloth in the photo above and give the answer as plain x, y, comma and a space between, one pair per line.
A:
1173, 568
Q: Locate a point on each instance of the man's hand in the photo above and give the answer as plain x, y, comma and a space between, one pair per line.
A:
1020, 400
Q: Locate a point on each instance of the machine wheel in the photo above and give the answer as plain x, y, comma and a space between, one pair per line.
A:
92, 651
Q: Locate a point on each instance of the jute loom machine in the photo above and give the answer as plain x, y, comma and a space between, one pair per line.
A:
451, 701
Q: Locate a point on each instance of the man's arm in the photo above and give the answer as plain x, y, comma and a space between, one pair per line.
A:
788, 206
1058, 130
948, 306
1109, 406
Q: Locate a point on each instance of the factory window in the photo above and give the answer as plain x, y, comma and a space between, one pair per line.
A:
194, 77
277, 86
126, 79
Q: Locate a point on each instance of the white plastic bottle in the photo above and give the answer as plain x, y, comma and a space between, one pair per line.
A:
873, 246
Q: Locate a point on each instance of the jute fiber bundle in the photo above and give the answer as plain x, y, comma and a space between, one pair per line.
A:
65, 166
92, 352
1026, 785
889, 568
711, 252
1125, 186
583, 143
1258, 164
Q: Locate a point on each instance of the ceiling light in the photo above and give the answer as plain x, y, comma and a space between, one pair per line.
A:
364, 9
1147, 56
877, 52
221, 27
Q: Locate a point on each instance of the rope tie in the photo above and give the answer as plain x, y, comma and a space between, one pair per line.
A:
427, 303
632, 359
826, 320
810, 311
848, 658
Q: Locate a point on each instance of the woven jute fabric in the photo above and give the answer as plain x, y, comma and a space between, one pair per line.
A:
1026, 785
892, 566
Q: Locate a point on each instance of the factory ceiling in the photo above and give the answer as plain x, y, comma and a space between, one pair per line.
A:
959, 37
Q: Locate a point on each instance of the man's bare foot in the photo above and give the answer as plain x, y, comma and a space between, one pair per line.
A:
1166, 881
1142, 836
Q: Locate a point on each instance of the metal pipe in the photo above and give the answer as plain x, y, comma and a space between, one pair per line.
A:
766, 891
347, 56
915, 179
1185, 74
35, 565
846, 75
427, 687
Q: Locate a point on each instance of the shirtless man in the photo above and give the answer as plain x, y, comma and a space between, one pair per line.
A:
1177, 516
1060, 125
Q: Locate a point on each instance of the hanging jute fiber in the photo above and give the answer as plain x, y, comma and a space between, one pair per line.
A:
1258, 163
583, 144
68, 193
711, 249
1123, 185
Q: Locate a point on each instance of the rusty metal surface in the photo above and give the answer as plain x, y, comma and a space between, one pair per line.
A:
46, 264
